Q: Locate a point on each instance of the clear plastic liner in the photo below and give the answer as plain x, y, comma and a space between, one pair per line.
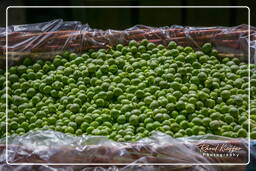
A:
55, 147
44, 40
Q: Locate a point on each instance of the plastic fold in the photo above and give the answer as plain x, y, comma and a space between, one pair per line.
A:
44, 40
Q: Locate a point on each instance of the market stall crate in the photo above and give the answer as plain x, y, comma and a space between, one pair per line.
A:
57, 40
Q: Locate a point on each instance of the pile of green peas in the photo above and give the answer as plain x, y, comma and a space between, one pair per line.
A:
129, 91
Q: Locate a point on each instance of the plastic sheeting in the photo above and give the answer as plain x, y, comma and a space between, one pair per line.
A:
43, 40
55, 147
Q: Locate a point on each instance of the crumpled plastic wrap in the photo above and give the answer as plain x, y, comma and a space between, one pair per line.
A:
55, 147
44, 40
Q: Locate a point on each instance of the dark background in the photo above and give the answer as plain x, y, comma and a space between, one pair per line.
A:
124, 18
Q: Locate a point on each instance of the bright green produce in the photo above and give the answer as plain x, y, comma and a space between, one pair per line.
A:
252, 105
126, 92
